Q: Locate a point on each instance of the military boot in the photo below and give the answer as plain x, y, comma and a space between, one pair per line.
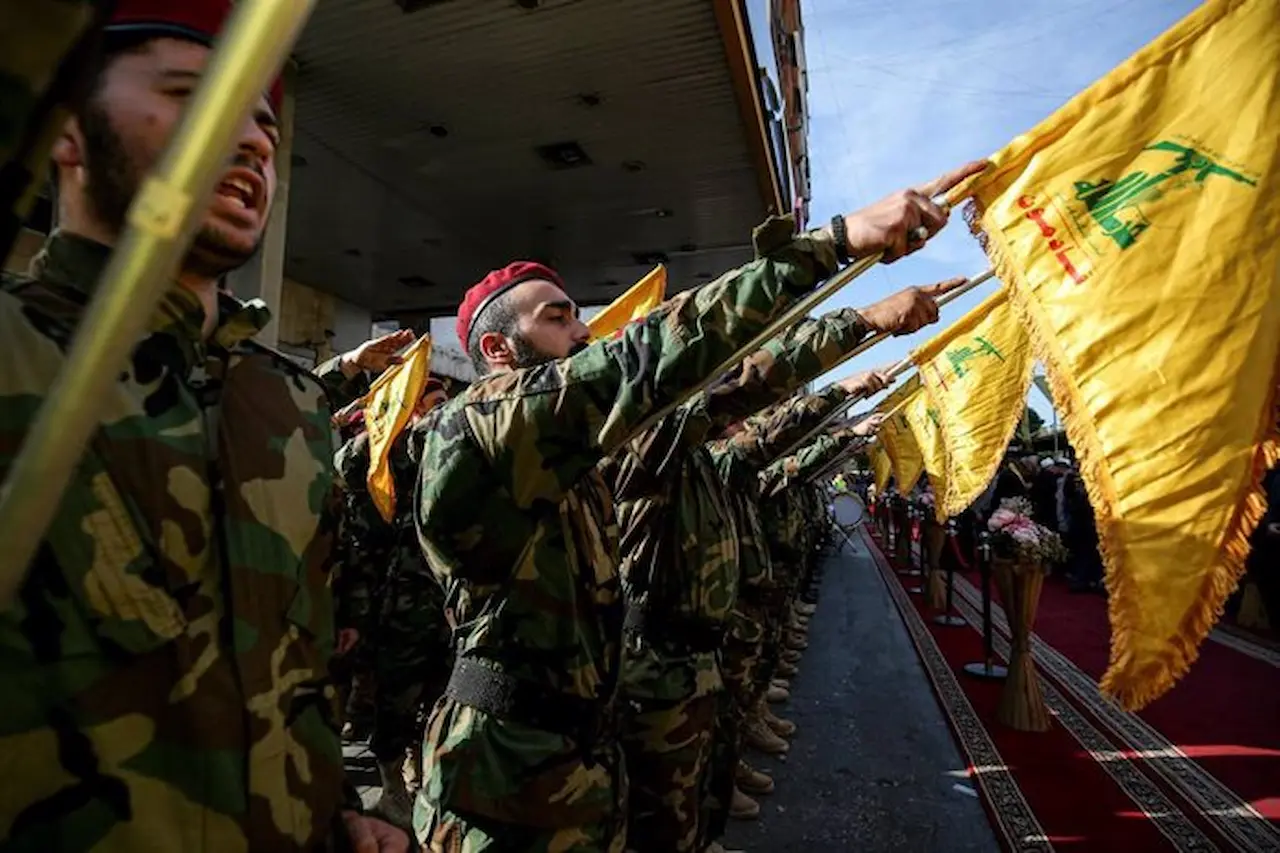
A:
804, 608
780, 682
777, 694
787, 669
394, 803
780, 727
751, 780
791, 656
757, 735
742, 807
717, 847
796, 643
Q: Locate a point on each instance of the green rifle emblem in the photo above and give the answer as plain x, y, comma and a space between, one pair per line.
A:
1113, 205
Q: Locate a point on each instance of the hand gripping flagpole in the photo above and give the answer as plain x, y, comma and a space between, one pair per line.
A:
893, 373
160, 225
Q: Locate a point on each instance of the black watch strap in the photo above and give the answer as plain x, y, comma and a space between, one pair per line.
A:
841, 239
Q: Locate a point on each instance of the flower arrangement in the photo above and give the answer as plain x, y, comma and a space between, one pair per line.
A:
1014, 534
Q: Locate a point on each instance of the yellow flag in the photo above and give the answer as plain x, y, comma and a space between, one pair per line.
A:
1137, 231
896, 435
388, 407
925, 422
641, 298
881, 465
976, 375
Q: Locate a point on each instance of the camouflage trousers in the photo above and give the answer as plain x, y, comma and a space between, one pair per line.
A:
446, 831
667, 746
411, 663
718, 779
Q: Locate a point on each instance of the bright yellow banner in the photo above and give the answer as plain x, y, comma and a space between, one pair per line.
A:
976, 375
896, 435
641, 298
881, 465
1137, 231
388, 407
924, 420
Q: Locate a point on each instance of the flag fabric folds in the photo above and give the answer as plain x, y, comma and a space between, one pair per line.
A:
881, 466
387, 409
897, 437
641, 298
975, 375
1136, 230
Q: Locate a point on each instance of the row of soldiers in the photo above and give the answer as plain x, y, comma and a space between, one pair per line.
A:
614, 555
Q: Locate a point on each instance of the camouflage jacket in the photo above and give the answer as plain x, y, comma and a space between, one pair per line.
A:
780, 487
166, 663
739, 461
680, 542
519, 525
382, 562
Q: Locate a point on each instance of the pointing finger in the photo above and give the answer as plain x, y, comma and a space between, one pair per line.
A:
933, 291
943, 183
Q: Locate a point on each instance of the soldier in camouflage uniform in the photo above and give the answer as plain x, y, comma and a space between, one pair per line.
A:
680, 568
523, 752
166, 660
753, 446
407, 647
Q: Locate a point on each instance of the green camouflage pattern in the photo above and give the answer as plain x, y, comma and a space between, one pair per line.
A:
519, 526
668, 746
166, 663
406, 646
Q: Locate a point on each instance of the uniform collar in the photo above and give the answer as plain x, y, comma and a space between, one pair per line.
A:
76, 263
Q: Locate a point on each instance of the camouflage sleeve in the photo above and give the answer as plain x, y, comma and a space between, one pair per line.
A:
786, 363
343, 390
535, 432
772, 433
804, 464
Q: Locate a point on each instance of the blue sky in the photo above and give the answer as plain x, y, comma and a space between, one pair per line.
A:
902, 91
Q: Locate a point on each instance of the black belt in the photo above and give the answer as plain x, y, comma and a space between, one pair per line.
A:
506, 697
681, 636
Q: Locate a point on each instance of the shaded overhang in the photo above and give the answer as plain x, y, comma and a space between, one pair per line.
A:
600, 135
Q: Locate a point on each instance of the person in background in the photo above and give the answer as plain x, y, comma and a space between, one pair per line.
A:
167, 657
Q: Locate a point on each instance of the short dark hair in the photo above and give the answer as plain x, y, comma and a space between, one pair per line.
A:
499, 316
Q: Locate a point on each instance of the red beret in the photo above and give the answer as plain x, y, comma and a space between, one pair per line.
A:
494, 285
192, 20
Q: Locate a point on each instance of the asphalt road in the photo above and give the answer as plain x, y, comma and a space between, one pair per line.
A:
873, 766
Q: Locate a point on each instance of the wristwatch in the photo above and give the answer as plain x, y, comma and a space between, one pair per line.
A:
841, 235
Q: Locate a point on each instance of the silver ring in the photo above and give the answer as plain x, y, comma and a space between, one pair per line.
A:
919, 234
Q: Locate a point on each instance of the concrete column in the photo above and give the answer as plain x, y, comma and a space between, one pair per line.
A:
263, 277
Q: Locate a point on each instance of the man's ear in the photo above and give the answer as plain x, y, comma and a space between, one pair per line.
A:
496, 349
68, 149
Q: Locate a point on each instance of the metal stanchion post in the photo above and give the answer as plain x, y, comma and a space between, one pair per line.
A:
986, 668
949, 617
914, 514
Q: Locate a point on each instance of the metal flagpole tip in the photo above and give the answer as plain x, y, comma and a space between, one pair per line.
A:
949, 620
986, 670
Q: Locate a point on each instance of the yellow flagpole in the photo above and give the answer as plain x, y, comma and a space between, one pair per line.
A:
161, 223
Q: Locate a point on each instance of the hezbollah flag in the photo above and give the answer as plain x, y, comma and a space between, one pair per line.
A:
387, 409
643, 296
925, 422
1137, 229
897, 437
976, 375
881, 465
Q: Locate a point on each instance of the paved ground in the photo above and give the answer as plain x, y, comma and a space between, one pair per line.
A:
873, 766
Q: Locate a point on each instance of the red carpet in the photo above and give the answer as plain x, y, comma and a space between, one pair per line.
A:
1173, 778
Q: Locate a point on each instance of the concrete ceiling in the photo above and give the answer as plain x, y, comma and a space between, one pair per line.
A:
417, 147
